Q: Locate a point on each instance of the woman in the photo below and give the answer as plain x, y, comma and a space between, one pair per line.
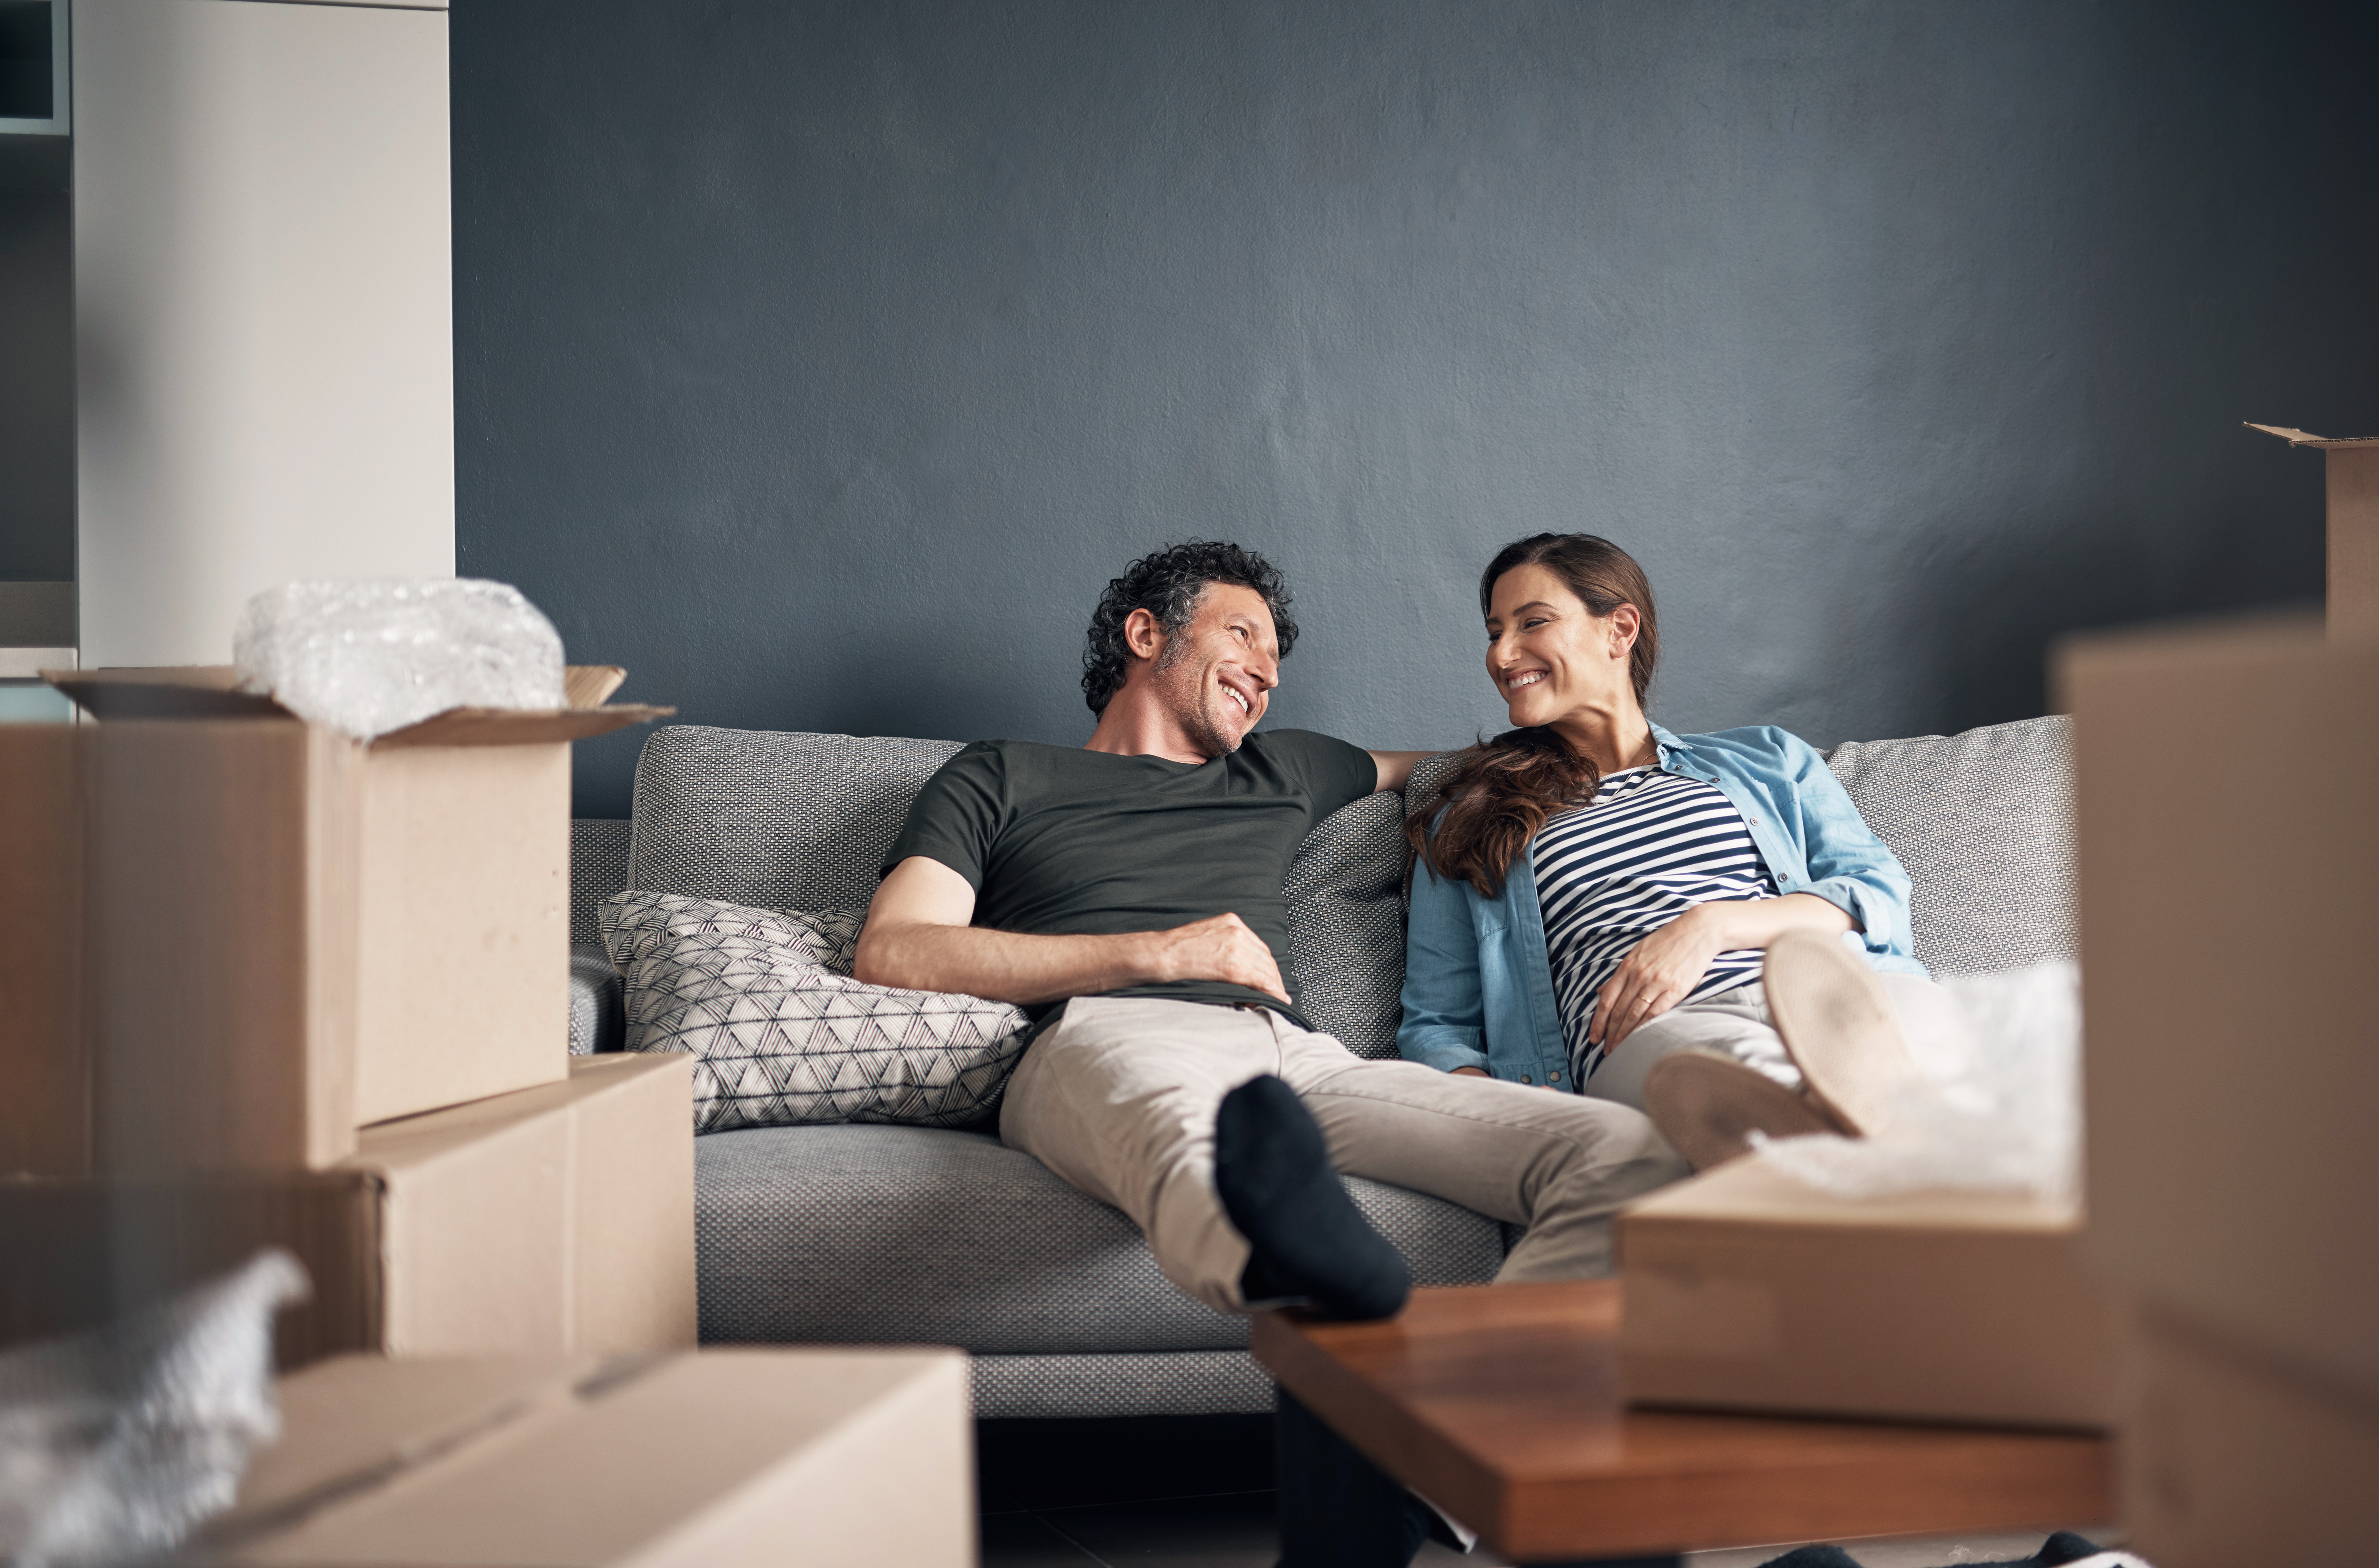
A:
1594, 899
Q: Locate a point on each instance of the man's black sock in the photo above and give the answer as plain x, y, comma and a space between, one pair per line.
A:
1272, 1170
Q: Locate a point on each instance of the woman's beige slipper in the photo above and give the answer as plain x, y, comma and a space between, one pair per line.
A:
1837, 1022
1709, 1106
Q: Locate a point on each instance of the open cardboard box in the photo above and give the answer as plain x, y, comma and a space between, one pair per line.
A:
1748, 1291
704, 1460
287, 933
552, 1219
2353, 464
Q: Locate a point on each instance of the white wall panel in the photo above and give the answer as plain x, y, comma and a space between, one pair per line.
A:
264, 310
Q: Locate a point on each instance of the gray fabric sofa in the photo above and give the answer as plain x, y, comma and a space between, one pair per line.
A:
889, 1235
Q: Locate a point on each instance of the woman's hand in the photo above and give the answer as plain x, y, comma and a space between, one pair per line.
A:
1656, 976
1470, 1072
1672, 960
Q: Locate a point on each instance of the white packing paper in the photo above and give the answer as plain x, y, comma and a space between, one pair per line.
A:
1999, 1107
114, 1443
372, 656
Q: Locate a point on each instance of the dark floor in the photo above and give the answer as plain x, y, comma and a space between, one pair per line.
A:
1195, 1492
1227, 1530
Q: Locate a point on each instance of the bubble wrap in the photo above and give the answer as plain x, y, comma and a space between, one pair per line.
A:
1999, 1107
113, 1444
367, 656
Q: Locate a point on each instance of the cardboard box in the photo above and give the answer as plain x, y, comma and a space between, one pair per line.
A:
2354, 465
552, 1219
1747, 1290
711, 1460
288, 933
2227, 929
2232, 1457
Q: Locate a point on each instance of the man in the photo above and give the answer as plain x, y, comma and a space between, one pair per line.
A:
1129, 893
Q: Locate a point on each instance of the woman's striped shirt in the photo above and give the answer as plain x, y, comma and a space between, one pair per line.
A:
1650, 846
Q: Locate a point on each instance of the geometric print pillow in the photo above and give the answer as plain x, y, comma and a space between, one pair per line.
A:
780, 1034
635, 923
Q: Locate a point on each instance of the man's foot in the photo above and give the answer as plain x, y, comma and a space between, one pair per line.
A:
1272, 1170
1707, 1107
1837, 1020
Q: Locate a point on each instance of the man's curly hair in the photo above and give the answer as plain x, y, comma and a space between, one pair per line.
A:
1166, 584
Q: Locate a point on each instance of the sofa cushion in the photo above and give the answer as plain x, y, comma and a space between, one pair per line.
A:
598, 868
1346, 923
1141, 1382
778, 821
790, 821
1984, 822
779, 1036
886, 1235
595, 1021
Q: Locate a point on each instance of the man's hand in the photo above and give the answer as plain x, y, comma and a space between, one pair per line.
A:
1221, 949
918, 937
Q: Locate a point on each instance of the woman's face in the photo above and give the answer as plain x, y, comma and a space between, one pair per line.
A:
1548, 656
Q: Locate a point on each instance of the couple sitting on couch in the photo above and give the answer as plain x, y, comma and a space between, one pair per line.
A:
1628, 949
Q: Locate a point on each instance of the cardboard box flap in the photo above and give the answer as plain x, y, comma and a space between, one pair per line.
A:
213, 691
1751, 1191
197, 691
585, 685
364, 1426
2299, 438
534, 1466
515, 726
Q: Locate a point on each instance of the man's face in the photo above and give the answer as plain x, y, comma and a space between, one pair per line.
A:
1215, 675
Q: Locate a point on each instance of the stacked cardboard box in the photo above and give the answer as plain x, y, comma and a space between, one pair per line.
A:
1747, 1290
2227, 847
269, 984
722, 1457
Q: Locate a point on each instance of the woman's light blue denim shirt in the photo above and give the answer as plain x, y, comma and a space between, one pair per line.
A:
1478, 987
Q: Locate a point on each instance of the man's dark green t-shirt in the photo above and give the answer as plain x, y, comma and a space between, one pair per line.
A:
1058, 841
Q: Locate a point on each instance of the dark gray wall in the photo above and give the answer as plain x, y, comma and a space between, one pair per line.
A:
819, 363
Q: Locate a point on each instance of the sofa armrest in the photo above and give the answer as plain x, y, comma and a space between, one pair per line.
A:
597, 1021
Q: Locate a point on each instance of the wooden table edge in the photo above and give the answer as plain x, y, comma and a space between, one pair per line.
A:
1522, 1517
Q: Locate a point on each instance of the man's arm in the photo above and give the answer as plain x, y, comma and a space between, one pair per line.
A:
917, 937
1396, 767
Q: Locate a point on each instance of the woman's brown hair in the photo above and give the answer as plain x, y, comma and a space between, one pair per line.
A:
1501, 790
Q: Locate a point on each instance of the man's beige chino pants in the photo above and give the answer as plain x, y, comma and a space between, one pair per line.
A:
1120, 1098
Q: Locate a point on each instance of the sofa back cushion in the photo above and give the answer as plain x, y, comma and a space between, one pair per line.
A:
1984, 822
772, 820
790, 821
1346, 923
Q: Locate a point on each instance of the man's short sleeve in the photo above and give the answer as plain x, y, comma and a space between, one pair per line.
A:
1335, 774
957, 816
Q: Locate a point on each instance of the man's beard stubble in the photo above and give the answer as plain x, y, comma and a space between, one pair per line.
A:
1186, 697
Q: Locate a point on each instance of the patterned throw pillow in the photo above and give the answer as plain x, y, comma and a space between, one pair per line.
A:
763, 1001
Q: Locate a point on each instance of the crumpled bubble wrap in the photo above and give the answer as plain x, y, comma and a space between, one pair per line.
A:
369, 655
114, 1443
1998, 1108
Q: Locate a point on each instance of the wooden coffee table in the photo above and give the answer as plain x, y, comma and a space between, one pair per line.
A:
1500, 1404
